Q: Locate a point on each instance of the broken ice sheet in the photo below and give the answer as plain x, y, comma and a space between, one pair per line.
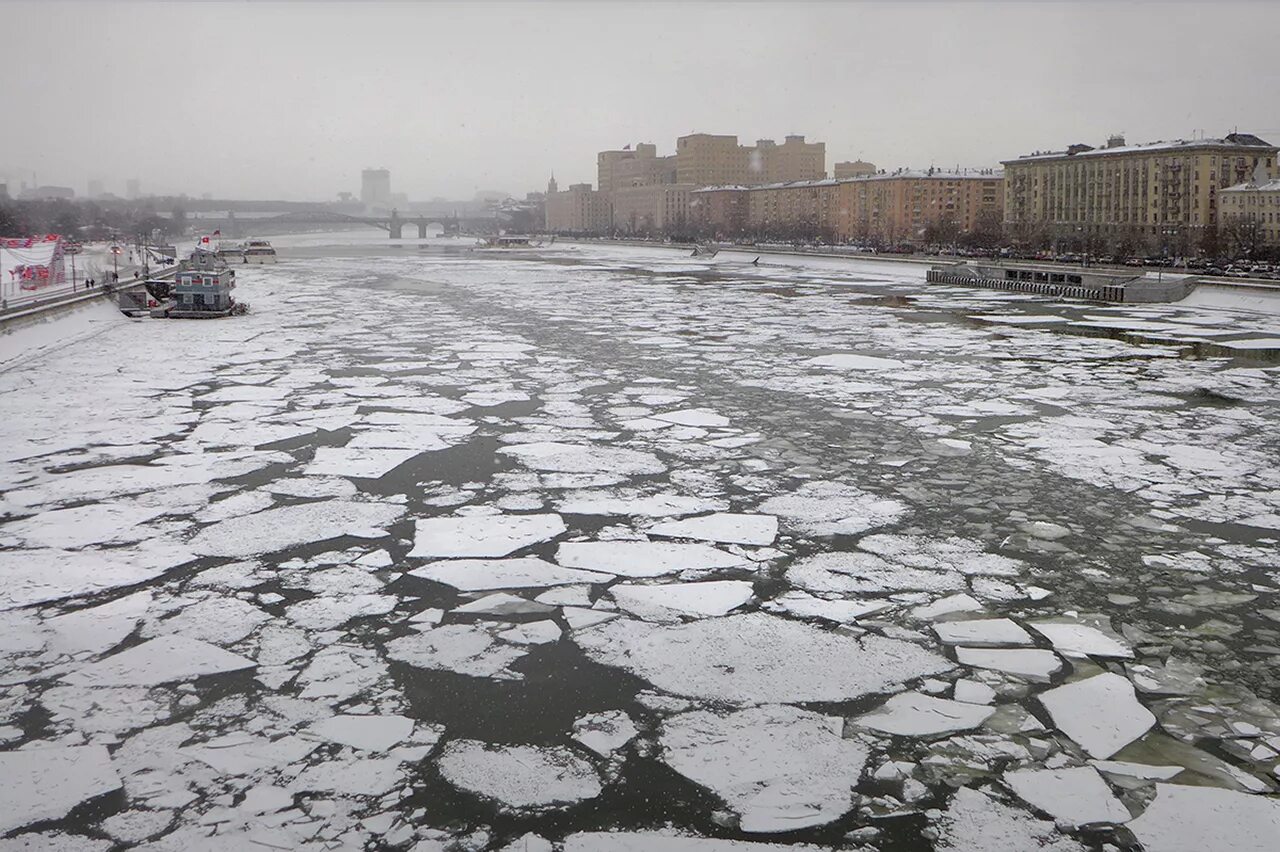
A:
975, 821
1196, 819
757, 657
914, 715
1076, 639
160, 660
644, 558
833, 508
472, 575
982, 633
359, 462
368, 733
670, 601
1076, 796
1101, 713
650, 841
482, 535
606, 732
1034, 664
724, 527
778, 768
519, 777
288, 526
578, 458
45, 783
462, 648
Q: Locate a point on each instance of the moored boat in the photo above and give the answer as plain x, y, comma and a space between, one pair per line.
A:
259, 251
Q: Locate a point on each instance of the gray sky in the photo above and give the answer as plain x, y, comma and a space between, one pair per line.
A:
291, 100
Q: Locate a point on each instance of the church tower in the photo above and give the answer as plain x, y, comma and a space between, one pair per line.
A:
551, 185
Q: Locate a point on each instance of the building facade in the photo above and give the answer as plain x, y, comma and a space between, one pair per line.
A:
578, 210
852, 169
1147, 194
793, 160
655, 208
1249, 217
375, 186
889, 209
705, 159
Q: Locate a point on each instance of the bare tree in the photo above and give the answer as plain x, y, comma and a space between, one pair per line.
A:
1244, 236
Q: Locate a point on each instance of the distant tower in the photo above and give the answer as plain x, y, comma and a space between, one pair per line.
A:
375, 186
551, 185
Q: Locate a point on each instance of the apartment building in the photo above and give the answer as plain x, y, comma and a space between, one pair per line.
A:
654, 208
1249, 215
793, 160
578, 210
636, 166
853, 169
890, 208
705, 159
1121, 191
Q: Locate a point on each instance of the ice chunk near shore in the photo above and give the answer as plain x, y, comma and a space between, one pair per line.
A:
519, 777
289, 526
833, 508
1034, 664
725, 527
160, 660
1196, 819
483, 535
476, 575
1076, 796
976, 822
910, 714
1101, 713
755, 657
669, 601
38, 784
778, 767
583, 458
644, 558
462, 648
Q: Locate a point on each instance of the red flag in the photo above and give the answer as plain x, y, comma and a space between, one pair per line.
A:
218, 233
204, 240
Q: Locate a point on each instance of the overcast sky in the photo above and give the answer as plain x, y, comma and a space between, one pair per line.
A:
291, 100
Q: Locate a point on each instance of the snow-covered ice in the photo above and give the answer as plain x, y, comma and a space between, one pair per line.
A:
519, 777
1101, 713
482, 535
911, 714
39, 784
1076, 796
724, 527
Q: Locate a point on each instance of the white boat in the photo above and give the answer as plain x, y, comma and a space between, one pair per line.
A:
230, 251
259, 251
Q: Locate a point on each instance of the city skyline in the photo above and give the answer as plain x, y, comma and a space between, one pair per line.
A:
301, 103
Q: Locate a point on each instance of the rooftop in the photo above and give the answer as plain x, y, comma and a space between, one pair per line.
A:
1272, 185
1231, 140
928, 174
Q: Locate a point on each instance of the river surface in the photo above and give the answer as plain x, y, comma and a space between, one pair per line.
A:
610, 548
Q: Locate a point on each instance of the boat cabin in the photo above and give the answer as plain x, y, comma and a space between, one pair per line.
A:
204, 283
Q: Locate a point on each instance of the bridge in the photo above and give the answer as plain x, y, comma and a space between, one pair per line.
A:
394, 224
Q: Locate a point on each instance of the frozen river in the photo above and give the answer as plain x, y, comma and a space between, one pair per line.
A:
604, 548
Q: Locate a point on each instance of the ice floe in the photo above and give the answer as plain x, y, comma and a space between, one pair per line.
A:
41, 784
644, 558
757, 658
156, 661
368, 733
911, 714
605, 733
669, 601
778, 768
1034, 664
1196, 819
1101, 713
578, 458
473, 575
483, 535
1076, 796
833, 508
462, 648
976, 822
724, 527
288, 526
519, 777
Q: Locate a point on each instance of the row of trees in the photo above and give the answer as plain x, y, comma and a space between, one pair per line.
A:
89, 220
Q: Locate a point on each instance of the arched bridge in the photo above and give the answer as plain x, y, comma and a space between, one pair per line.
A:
394, 224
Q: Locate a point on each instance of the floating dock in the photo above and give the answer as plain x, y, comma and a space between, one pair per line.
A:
1069, 283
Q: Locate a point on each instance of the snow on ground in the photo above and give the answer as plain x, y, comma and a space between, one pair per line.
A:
557, 550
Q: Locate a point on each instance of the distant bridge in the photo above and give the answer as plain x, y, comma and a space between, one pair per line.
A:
394, 224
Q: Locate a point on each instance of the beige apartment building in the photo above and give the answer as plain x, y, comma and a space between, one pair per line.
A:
853, 169
655, 208
578, 210
636, 166
1249, 216
705, 159
1149, 194
890, 208
793, 160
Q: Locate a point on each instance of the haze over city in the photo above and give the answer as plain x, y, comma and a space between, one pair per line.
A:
455, 98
